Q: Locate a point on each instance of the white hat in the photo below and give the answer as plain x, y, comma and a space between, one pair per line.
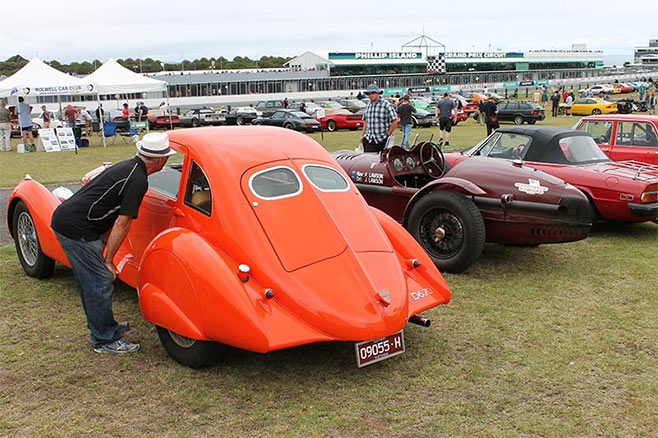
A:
156, 145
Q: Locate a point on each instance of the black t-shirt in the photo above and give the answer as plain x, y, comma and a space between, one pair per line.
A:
489, 109
405, 110
91, 211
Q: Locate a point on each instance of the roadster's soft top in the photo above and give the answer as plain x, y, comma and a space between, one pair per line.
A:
257, 240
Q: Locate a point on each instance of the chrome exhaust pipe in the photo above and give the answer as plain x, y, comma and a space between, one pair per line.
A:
421, 321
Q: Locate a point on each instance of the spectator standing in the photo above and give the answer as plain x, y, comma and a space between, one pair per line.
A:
555, 103
164, 108
544, 98
568, 103
125, 117
45, 116
380, 121
481, 116
445, 109
652, 103
536, 97
84, 114
100, 116
405, 110
25, 124
285, 102
302, 106
70, 114
564, 95
491, 116
5, 127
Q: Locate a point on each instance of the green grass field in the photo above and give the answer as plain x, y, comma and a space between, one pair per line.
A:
553, 341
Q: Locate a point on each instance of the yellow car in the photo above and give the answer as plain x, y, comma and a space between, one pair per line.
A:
590, 105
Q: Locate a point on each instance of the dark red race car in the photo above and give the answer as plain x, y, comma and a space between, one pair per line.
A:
625, 191
452, 211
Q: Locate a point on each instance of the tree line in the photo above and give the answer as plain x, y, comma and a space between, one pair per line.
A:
150, 65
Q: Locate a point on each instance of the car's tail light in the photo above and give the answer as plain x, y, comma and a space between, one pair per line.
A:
648, 197
533, 112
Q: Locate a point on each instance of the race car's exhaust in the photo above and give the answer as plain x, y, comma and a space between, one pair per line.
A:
421, 321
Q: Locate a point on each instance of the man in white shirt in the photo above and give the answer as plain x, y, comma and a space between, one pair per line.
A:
568, 102
84, 115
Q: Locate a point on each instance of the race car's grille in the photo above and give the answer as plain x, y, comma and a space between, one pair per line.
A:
577, 209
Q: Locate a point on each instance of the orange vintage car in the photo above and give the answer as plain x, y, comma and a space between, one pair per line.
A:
257, 240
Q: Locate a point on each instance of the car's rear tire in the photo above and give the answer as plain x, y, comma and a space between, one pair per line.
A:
518, 120
414, 122
34, 262
331, 125
596, 112
450, 229
195, 123
239, 121
289, 126
189, 352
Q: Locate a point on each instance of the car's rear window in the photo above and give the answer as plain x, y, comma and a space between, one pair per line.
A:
275, 183
325, 179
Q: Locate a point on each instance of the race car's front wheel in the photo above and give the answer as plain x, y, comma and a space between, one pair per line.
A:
450, 229
187, 351
35, 263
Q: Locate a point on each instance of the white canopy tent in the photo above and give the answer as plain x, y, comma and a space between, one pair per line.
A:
37, 78
113, 78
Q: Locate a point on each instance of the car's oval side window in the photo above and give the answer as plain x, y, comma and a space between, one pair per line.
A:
198, 194
275, 183
325, 178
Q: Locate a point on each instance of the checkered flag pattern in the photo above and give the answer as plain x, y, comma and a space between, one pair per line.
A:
436, 64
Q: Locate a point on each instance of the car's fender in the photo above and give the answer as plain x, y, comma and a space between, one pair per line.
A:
41, 203
424, 274
190, 287
459, 185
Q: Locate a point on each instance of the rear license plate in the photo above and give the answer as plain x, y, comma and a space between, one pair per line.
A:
369, 352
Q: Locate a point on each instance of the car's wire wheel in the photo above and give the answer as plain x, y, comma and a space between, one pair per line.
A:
27, 238
441, 233
181, 341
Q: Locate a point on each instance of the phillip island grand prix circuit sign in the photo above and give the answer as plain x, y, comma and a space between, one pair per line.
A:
375, 55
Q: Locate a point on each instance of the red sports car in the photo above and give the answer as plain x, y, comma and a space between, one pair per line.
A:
619, 191
624, 136
159, 119
340, 119
453, 211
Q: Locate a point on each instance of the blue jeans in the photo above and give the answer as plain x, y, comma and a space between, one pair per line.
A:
406, 133
95, 283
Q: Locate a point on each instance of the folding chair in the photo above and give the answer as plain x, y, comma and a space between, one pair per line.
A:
130, 136
110, 131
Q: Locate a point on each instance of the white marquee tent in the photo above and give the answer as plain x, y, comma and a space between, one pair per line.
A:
37, 78
113, 78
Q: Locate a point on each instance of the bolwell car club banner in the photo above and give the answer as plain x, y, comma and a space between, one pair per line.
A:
53, 91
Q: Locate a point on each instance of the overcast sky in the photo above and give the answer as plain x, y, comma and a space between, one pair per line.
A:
172, 29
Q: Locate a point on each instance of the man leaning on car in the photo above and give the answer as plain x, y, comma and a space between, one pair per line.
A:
97, 218
380, 121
